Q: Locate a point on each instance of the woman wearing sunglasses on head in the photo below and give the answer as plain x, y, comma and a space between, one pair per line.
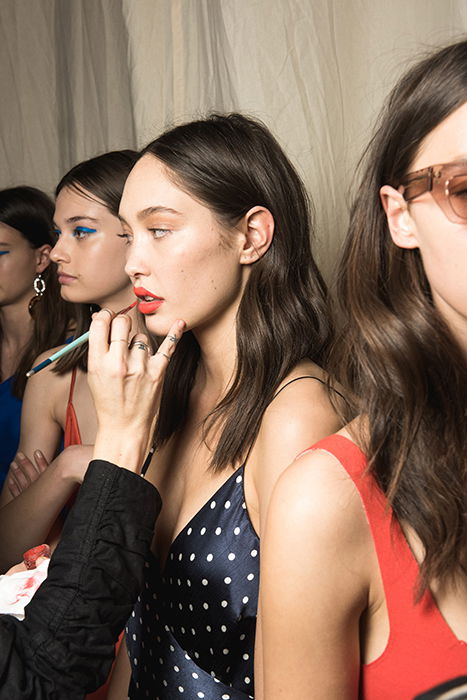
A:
375, 602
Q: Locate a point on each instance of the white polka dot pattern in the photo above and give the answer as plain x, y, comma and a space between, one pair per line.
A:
198, 618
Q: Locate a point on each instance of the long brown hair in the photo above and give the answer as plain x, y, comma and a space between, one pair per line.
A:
232, 163
395, 353
101, 178
30, 211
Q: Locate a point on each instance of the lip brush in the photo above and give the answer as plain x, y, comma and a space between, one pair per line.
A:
68, 348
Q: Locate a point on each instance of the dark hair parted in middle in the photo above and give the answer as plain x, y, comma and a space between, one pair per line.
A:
231, 163
101, 178
407, 372
30, 211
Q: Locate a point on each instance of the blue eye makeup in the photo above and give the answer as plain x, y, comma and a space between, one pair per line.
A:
80, 232
85, 229
4, 252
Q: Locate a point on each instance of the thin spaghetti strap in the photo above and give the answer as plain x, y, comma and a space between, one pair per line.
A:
303, 376
307, 376
72, 385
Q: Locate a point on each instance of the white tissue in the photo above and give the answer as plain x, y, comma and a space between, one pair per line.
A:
16, 590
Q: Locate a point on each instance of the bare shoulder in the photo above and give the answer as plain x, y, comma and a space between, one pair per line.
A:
315, 581
320, 488
315, 503
47, 353
47, 387
300, 413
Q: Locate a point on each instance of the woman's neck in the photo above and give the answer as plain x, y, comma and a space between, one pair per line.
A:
17, 326
218, 357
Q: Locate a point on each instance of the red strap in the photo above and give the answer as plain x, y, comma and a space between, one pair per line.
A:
398, 567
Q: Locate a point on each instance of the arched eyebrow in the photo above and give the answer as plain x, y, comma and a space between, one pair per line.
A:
75, 219
151, 210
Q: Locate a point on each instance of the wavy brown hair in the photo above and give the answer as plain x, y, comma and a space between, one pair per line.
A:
395, 353
102, 179
30, 211
232, 163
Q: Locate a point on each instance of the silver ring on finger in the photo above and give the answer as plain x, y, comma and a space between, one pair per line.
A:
119, 340
159, 352
140, 345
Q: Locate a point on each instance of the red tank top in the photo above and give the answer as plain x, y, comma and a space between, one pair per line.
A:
422, 650
71, 433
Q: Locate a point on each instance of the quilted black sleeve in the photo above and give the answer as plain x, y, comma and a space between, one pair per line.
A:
65, 646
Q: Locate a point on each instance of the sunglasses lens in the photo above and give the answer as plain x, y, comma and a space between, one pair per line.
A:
458, 195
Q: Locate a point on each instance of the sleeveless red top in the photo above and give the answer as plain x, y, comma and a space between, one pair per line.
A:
422, 650
71, 434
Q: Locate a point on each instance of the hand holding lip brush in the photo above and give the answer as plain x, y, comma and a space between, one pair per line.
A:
68, 348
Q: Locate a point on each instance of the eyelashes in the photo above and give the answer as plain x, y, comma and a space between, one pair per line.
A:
78, 232
159, 232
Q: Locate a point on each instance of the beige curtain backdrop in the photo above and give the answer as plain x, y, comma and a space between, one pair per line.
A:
79, 77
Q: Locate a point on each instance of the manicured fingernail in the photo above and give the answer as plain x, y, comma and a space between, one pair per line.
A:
20, 455
38, 453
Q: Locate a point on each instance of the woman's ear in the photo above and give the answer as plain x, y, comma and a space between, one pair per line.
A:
258, 234
43, 257
401, 225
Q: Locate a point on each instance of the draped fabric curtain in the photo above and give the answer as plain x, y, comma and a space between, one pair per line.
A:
79, 77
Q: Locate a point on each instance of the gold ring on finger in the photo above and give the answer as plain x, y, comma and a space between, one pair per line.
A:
119, 340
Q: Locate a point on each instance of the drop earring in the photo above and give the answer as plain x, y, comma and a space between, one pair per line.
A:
39, 287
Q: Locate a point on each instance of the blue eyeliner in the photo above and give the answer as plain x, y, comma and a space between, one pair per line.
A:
4, 252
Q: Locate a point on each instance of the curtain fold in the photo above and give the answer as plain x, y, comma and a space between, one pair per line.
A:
78, 77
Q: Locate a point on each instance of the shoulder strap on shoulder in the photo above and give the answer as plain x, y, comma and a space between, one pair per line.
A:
305, 376
399, 569
72, 385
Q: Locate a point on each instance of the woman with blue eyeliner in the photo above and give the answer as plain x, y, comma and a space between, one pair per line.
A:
90, 259
32, 315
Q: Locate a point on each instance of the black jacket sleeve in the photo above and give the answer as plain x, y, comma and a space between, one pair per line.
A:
65, 646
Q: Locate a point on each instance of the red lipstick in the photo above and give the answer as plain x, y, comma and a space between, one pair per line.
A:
149, 302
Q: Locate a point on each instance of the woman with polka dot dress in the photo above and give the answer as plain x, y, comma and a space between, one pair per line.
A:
218, 231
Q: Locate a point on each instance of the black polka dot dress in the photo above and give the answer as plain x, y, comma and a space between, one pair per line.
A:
192, 632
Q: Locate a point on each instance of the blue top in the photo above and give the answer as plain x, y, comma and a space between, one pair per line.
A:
192, 632
10, 423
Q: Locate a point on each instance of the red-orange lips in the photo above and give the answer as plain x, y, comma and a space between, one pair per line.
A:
149, 302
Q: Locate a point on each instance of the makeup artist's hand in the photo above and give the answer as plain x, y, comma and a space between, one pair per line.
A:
126, 383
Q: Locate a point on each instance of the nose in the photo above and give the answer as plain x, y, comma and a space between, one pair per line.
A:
59, 252
139, 258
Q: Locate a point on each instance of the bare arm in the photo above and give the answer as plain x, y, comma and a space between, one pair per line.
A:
316, 559
297, 418
121, 673
27, 520
40, 428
